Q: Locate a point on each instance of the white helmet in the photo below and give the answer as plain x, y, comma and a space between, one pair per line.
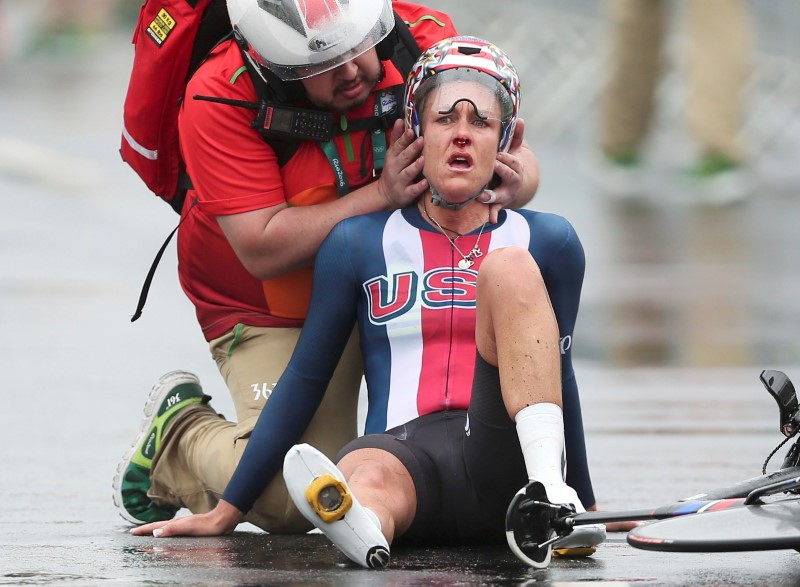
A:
296, 39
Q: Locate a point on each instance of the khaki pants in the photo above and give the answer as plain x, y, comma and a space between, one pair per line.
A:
201, 449
717, 64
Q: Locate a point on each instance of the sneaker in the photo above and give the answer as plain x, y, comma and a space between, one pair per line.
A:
173, 392
620, 176
320, 492
717, 180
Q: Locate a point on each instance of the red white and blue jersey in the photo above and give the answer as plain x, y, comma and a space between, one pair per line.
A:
417, 315
397, 278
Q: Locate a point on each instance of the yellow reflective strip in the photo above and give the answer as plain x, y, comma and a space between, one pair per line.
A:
426, 17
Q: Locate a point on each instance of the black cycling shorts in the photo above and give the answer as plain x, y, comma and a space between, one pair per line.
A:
466, 466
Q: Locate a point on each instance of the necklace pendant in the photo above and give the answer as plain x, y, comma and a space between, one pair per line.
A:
475, 252
465, 263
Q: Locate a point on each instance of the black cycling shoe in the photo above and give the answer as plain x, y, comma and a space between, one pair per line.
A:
529, 525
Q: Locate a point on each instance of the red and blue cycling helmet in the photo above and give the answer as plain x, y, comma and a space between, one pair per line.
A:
465, 59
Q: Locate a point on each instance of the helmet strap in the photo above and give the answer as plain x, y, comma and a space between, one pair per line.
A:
438, 200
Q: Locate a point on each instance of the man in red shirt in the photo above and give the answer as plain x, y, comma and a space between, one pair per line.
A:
247, 245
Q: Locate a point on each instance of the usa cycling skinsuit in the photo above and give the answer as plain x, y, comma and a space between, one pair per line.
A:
398, 278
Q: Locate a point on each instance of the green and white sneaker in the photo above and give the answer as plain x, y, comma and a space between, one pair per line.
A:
173, 392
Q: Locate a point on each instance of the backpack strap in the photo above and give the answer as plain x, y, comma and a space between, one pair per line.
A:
215, 27
151, 273
406, 51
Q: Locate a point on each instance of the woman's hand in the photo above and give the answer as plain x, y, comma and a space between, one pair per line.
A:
223, 519
623, 526
618, 526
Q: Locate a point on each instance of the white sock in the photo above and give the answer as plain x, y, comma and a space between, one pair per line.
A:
540, 428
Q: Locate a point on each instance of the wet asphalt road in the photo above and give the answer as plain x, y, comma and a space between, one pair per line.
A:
682, 308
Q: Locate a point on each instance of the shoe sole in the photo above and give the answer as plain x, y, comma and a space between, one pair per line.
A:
355, 534
157, 395
581, 542
518, 527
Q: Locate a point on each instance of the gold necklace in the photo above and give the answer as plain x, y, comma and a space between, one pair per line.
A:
466, 261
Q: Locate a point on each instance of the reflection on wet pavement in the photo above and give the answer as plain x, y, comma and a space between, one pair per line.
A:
694, 287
